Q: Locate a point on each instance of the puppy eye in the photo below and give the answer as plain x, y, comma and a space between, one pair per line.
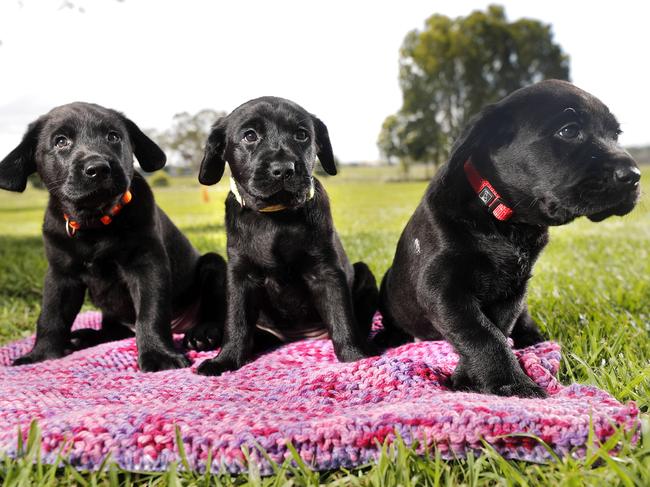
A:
61, 141
617, 133
250, 136
113, 137
301, 135
570, 131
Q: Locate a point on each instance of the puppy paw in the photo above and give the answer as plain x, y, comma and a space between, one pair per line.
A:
204, 336
35, 357
370, 349
215, 366
351, 354
520, 389
157, 360
520, 386
87, 337
527, 338
84, 338
460, 381
25, 360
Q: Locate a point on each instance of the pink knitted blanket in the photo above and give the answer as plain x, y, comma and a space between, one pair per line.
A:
95, 402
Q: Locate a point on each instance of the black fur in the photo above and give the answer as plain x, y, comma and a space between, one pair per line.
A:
140, 270
458, 272
285, 268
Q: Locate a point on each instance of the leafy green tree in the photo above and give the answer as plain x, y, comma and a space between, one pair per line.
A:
185, 140
453, 67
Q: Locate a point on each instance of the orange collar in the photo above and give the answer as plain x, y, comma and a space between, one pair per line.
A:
71, 226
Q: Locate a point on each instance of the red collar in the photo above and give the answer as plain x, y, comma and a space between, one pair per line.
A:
486, 193
71, 226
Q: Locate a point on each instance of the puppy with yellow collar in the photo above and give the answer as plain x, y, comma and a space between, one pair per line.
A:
288, 275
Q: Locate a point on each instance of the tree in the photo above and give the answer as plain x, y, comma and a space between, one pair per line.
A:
185, 140
454, 67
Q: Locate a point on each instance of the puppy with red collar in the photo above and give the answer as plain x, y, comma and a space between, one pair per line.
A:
542, 156
105, 236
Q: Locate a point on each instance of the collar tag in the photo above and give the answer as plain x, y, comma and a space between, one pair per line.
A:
70, 226
486, 193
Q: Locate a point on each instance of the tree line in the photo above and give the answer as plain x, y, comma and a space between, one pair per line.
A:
448, 71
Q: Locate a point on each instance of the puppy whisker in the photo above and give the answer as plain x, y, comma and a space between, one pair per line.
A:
532, 203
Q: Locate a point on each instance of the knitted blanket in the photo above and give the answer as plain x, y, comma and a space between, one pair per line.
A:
95, 402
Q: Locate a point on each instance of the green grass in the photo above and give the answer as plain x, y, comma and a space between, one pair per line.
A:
590, 292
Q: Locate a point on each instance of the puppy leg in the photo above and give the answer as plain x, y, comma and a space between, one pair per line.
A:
211, 276
112, 329
242, 314
488, 365
486, 362
62, 300
149, 281
333, 301
525, 331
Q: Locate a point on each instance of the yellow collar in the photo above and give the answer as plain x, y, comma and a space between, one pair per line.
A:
266, 209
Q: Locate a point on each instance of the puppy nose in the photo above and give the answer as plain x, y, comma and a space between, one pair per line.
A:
97, 169
282, 170
627, 175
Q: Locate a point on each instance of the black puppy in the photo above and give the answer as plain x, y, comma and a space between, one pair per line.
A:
287, 270
542, 156
104, 233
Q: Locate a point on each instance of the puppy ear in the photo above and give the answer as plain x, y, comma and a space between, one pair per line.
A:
325, 154
213, 162
20, 163
149, 155
489, 129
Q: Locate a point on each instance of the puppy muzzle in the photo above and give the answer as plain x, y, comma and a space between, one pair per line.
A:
618, 193
619, 209
614, 195
91, 188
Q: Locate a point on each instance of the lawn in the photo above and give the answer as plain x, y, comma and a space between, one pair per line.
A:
590, 292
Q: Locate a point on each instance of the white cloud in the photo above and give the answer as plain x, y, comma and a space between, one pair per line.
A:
152, 59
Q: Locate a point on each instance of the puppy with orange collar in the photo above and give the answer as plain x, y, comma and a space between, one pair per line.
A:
105, 235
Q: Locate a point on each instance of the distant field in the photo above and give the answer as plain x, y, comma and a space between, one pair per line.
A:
590, 292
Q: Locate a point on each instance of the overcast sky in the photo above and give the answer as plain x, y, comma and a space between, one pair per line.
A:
154, 58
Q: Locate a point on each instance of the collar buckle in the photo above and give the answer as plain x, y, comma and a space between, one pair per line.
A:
486, 193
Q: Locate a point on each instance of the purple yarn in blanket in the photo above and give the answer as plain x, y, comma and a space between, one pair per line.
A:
96, 402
